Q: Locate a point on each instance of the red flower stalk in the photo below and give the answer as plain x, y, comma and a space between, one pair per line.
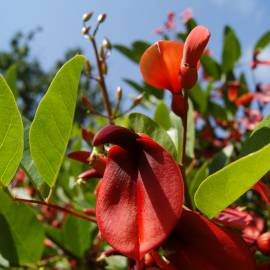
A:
198, 243
173, 65
140, 196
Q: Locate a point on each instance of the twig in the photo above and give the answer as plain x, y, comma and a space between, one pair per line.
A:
60, 208
101, 80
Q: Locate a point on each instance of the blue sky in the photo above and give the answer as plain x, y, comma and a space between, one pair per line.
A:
127, 20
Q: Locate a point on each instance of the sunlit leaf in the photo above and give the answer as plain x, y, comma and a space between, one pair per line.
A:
52, 125
27, 163
11, 78
11, 134
222, 188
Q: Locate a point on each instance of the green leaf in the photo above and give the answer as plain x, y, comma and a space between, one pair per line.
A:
217, 111
211, 67
220, 159
146, 89
222, 188
76, 236
263, 41
27, 164
11, 134
231, 49
162, 115
116, 263
134, 53
143, 124
175, 133
258, 138
199, 177
22, 235
11, 78
52, 125
200, 98
190, 24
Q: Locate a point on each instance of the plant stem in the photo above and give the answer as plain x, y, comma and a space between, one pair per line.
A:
60, 208
184, 142
101, 80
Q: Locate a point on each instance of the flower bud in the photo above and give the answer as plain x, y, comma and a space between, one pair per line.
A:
138, 100
85, 30
87, 103
101, 18
87, 67
106, 44
119, 92
87, 16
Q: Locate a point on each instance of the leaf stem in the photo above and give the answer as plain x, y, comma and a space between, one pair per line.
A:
60, 208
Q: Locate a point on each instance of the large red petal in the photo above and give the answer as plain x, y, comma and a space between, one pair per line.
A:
140, 198
160, 65
197, 243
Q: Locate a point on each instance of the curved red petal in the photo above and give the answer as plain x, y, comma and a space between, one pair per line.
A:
115, 135
193, 49
198, 243
81, 156
140, 198
160, 65
90, 174
195, 45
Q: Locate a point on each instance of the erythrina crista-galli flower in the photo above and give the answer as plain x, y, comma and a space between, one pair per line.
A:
173, 65
140, 197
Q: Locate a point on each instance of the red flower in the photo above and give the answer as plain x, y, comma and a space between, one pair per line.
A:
140, 196
263, 190
250, 225
233, 88
245, 99
173, 65
198, 243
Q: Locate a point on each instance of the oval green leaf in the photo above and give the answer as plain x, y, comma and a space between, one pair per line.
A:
142, 124
11, 134
263, 41
222, 188
231, 49
52, 124
162, 115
